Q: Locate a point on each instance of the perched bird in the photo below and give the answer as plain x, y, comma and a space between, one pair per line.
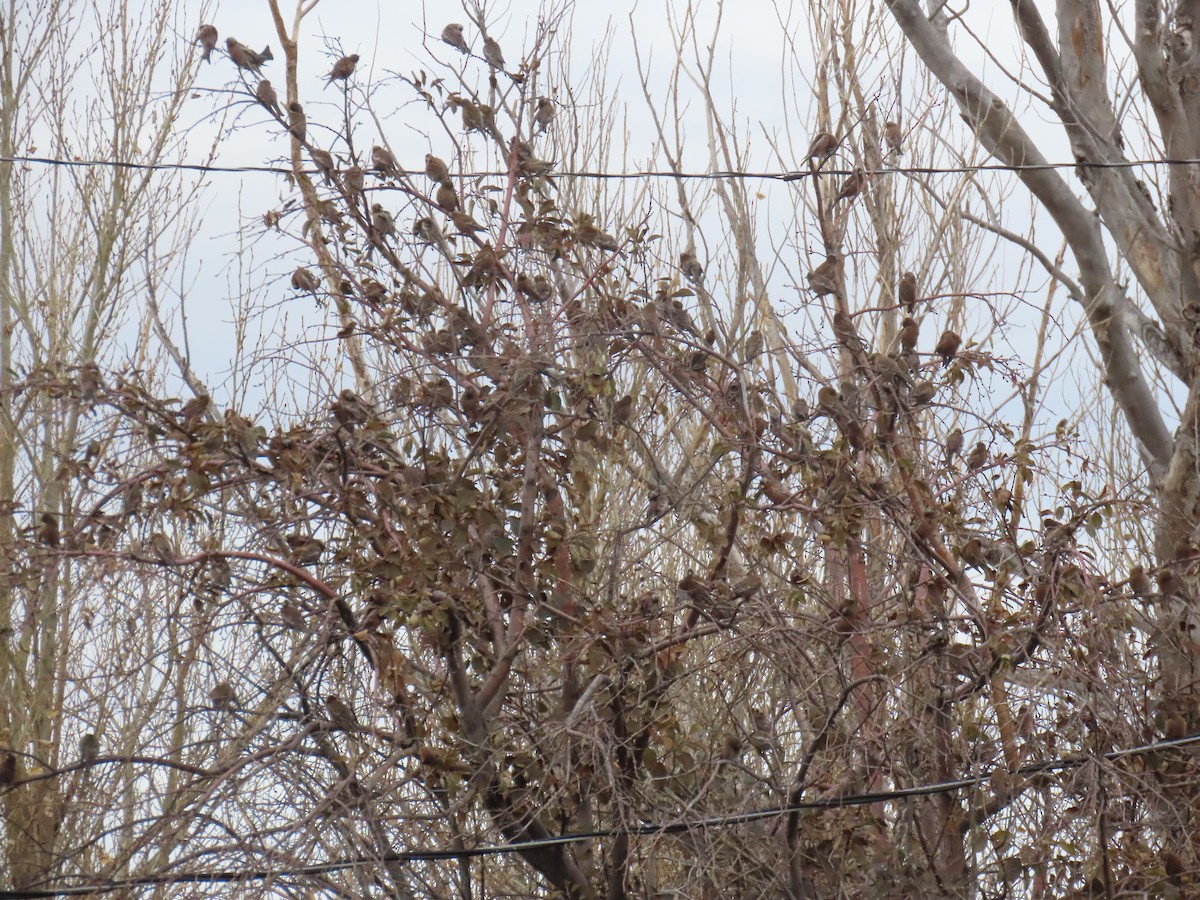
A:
354, 179
245, 58
852, 186
452, 34
382, 221
223, 696
292, 617
446, 198
305, 549
349, 409
324, 163
89, 749
342, 69
340, 714
304, 280
206, 37
545, 113
845, 332
922, 392
47, 532
892, 136
690, 266
589, 234
761, 737
542, 290
426, 229
1139, 583
954, 444
436, 168
910, 332
464, 223
90, 380
297, 123
383, 161
827, 277
978, 457
908, 292
823, 146
268, 98
492, 54
8, 769
947, 346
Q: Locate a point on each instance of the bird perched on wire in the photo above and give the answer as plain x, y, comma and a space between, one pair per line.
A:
342, 69
545, 113
452, 34
827, 277
340, 714
947, 346
908, 292
690, 266
436, 168
823, 146
383, 161
206, 37
265, 94
245, 58
297, 122
852, 186
492, 54
893, 137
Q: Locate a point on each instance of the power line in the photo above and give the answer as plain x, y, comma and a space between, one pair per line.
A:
837, 802
762, 176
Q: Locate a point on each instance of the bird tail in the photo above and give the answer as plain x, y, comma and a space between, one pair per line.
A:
207, 55
266, 54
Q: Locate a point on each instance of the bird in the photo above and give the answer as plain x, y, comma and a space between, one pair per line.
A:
382, 221
464, 223
922, 392
827, 277
445, 197
354, 179
978, 456
492, 54
8, 769
245, 58
908, 292
292, 617
90, 380
349, 409
297, 123
452, 34
1139, 582
89, 749
845, 332
268, 98
852, 186
206, 37
823, 146
47, 533
544, 113
340, 714
590, 235
954, 443
223, 696
324, 163
342, 69
383, 161
426, 229
542, 290
436, 168
760, 737
947, 346
910, 332
892, 135
304, 280
690, 266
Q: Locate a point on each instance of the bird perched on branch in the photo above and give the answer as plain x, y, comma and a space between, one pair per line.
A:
445, 197
47, 532
245, 58
223, 696
690, 266
892, 135
910, 333
342, 69
304, 280
823, 146
382, 221
89, 749
297, 123
340, 714
947, 346
827, 277
452, 34
908, 292
978, 456
436, 168
354, 179
383, 161
266, 95
324, 163
545, 113
492, 54
206, 37
852, 186
954, 444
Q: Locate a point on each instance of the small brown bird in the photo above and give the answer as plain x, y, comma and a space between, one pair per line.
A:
545, 113
543, 290
304, 280
954, 444
223, 696
922, 392
8, 769
436, 168
382, 221
446, 198
823, 146
947, 346
908, 292
292, 617
206, 37
342, 69
268, 98
978, 457
1175, 728
690, 266
89, 749
827, 277
426, 229
297, 123
893, 137
1139, 583
492, 54
340, 714
245, 58
90, 380
588, 234
910, 331
464, 223
761, 737
383, 161
324, 163
354, 179
845, 332
47, 533
452, 34
852, 186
